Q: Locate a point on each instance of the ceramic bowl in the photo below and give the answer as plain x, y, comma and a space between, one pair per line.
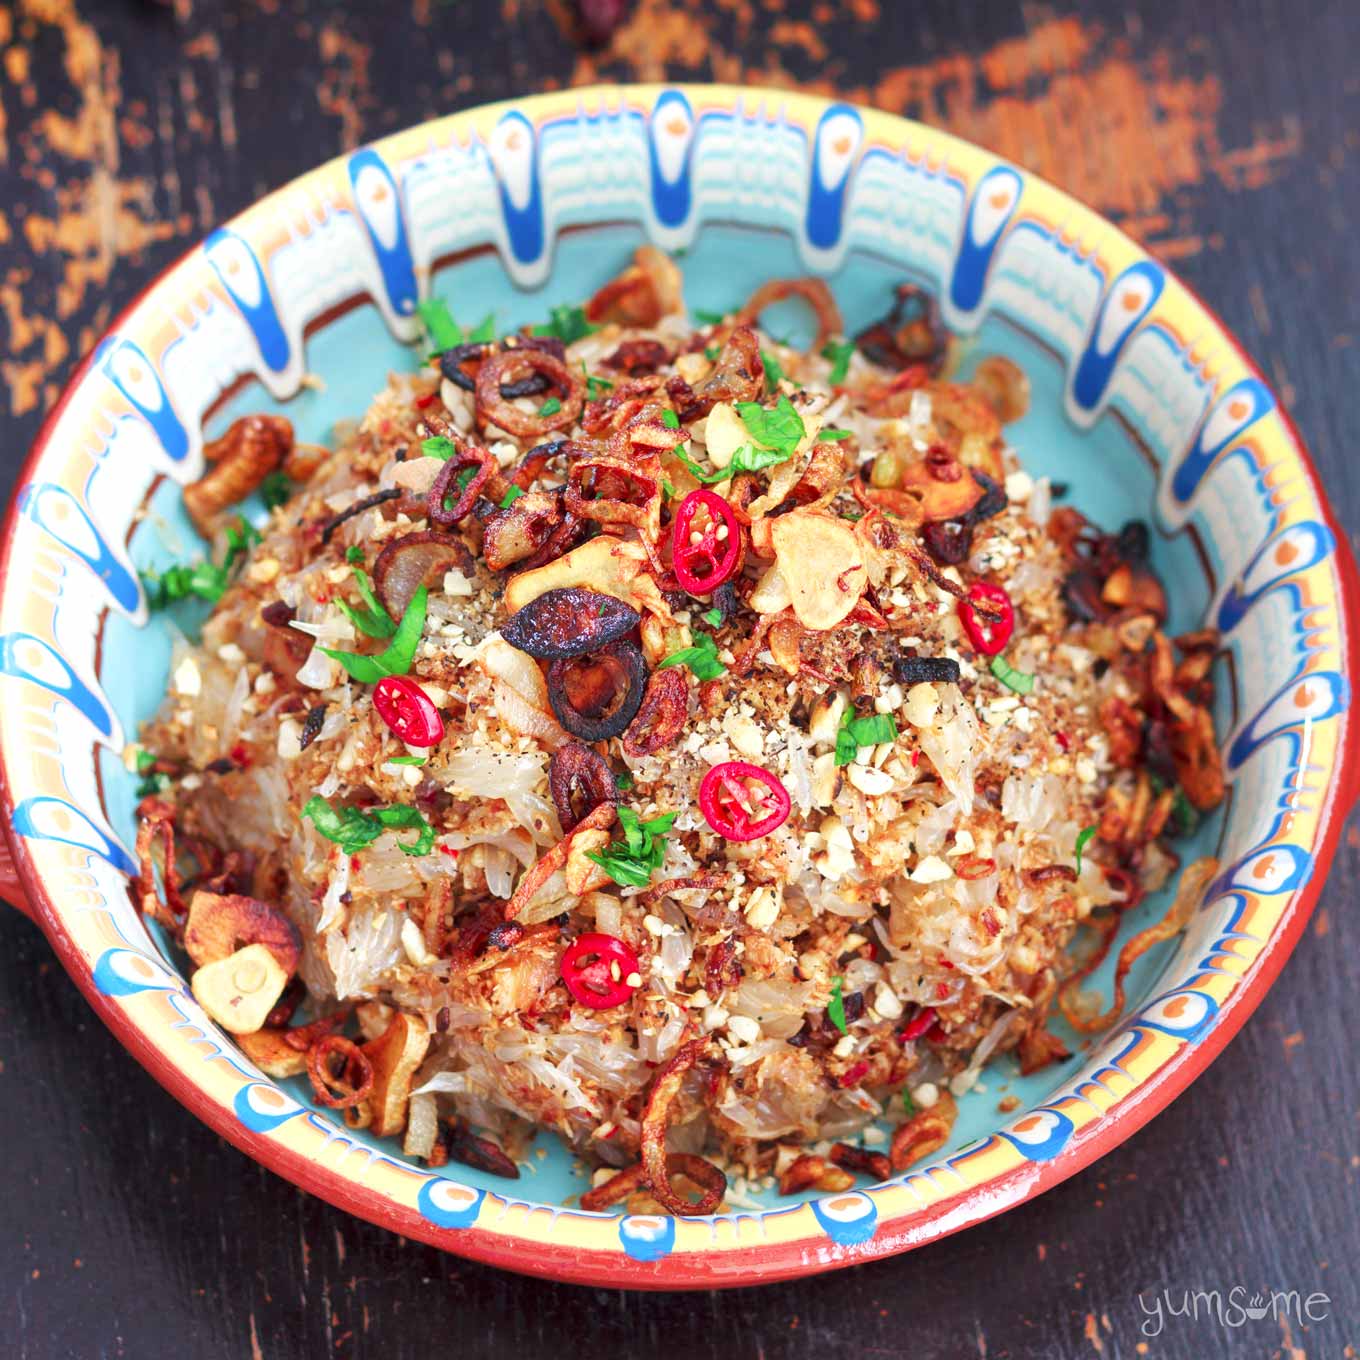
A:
1142, 403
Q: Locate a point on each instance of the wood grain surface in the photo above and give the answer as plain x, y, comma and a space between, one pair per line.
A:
1224, 134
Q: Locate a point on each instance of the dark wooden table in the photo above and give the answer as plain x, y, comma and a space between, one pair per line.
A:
1223, 133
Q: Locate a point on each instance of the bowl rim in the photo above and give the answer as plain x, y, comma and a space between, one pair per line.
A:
734, 1263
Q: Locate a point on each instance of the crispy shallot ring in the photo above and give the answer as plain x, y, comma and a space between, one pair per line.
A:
704, 879
158, 819
738, 375
656, 1116
354, 1081
521, 529
446, 485
493, 409
923, 1134
576, 767
813, 291
617, 1187
597, 819
1194, 880
239, 461
304, 1036
809, 1170
647, 290
417, 559
661, 718
861, 1161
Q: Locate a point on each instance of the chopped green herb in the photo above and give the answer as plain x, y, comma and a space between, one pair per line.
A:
275, 490
400, 652
1184, 814
713, 617
438, 446
443, 331
1020, 681
781, 429
485, 332
671, 492
774, 370
567, 323
670, 420
241, 537
708, 318
352, 828
856, 732
623, 782
907, 1103
596, 387
145, 760
830, 436
839, 352
701, 658
373, 621
1083, 840
512, 494
354, 554
206, 580
632, 861
747, 458
711, 352
407, 760
835, 1008
155, 782
550, 407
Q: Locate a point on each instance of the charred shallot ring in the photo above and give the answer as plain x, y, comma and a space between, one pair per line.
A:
481, 1153
346, 1088
626, 1182
988, 636
703, 558
734, 810
656, 1115
923, 1134
414, 560
661, 718
596, 696
569, 621
452, 363
910, 334
447, 484
493, 409
931, 670
813, 291
408, 711
638, 356
576, 772
596, 969
861, 1161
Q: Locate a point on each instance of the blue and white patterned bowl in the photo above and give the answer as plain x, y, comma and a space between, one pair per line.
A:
1142, 403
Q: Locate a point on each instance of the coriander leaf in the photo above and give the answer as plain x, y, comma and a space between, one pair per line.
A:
907, 1104
1184, 813
711, 352
275, 490
155, 782
353, 828
712, 616
400, 652
632, 861
512, 494
443, 331
839, 352
486, 332
830, 436
354, 554
701, 658
550, 407
1020, 681
780, 429
438, 446
835, 1008
623, 782
145, 760
774, 370
406, 760
1083, 840
708, 318
670, 420
595, 386
567, 323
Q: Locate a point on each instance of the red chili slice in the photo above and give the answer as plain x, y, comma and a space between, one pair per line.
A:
737, 812
704, 558
919, 1023
988, 636
596, 969
408, 711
